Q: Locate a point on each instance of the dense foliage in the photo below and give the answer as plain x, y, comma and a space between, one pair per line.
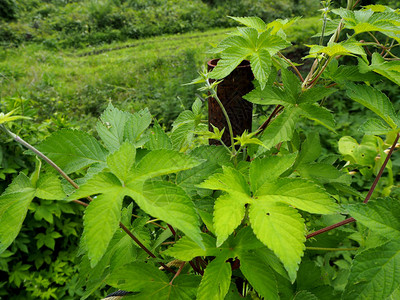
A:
63, 24
170, 217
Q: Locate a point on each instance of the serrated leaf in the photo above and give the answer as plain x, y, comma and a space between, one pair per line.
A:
281, 229
158, 139
111, 127
100, 222
216, 280
305, 295
374, 127
231, 58
185, 249
14, 203
389, 69
310, 149
281, 129
374, 100
270, 95
320, 171
315, 94
299, 193
291, 84
271, 43
268, 169
228, 214
260, 62
162, 162
375, 273
138, 276
230, 181
49, 187
136, 124
168, 202
253, 22
319, 114
259, 275
122, 160
73, 150
381, 216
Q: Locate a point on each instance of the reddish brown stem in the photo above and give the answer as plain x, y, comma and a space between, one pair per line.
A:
172, 230
277, 109
379, 175
177, 273
370, 192
80, 202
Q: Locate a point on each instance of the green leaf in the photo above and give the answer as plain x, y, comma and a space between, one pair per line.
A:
299, 193
138, 276
389, 69
49, 187
381, 216
363, 154
374, 127
375, 273
271, 43
319, 114
259, 275
231, 181
162, 162
270, 95
228, 214
310, 149
325, 173
185, 249
14, 203
122, 160
73, 150
305, 295
281, 229
231, 58
216, 280
374, 100
158, 139
260, 62
100, 222
136, 124
168, 202
281, 129
335, 49
253, 22
268, 169
315, 94
291, 84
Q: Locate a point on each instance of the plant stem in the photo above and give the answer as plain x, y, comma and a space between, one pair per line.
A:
292, 65
172, 230
228, 121
331, 249
63, 174
379, 175
371, 190
277, 109
177, 273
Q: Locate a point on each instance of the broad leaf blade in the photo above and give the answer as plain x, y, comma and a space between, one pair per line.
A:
73, 150
318, 114
228, 214
162, 162
216, 280
299, 193
49, 187
374, 100
259, 275
281, 229
381, 216
185, 249
375, 273
100, 222
168, 202
261, 66
14, 203
253, 22
231, 58
268, 169
122, 160
375, 127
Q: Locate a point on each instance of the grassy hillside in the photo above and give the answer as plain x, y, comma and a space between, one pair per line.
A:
74, 86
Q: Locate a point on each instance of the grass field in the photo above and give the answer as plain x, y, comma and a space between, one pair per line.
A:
72, 87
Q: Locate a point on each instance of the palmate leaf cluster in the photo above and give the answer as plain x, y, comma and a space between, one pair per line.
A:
170, 217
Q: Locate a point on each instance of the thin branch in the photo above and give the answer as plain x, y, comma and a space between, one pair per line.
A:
292, 65
370, 192
277, 109
177, 273
172, 230
63, 174
379, 175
